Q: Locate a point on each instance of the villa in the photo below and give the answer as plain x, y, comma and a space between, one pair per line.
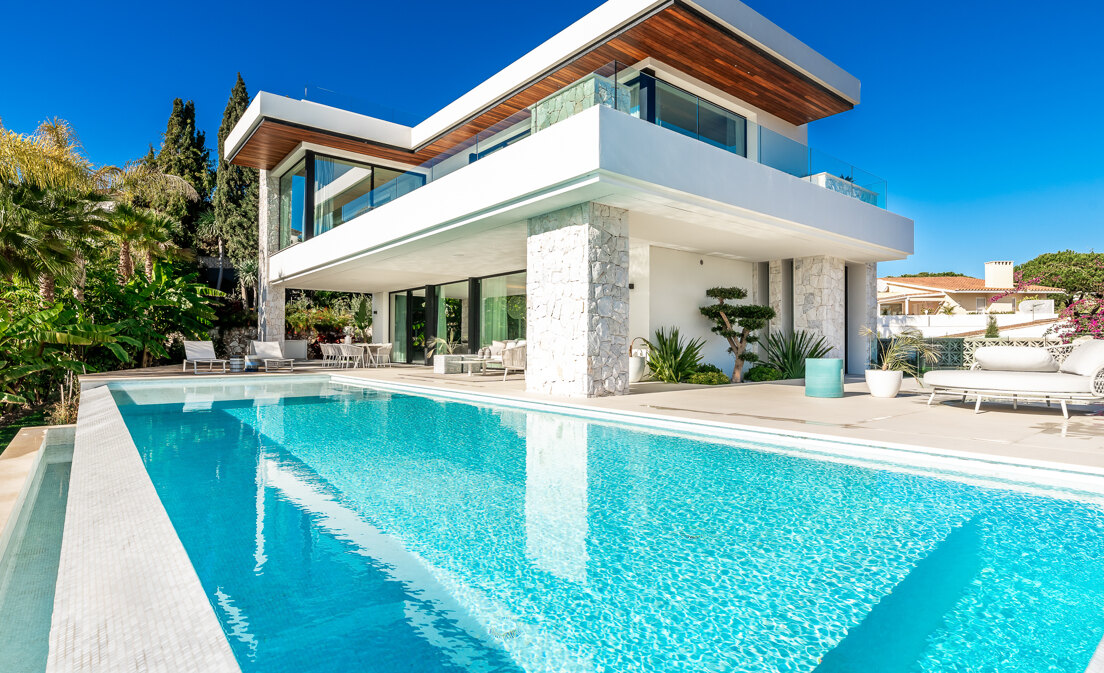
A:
587, 194
334, 514
959, 295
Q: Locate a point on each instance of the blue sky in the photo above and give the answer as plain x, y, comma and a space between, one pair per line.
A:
983, 116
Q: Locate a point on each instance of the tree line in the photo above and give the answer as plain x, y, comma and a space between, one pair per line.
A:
99, 264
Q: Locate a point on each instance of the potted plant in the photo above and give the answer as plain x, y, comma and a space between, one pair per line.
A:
443, 352
899, 355
638, 361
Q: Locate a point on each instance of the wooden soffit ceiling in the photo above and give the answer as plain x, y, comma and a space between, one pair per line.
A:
678, 36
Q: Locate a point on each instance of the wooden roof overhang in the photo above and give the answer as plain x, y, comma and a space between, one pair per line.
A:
676, 35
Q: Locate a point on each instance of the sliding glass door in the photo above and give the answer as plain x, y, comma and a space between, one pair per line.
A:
453, 317
502, 308
398, 327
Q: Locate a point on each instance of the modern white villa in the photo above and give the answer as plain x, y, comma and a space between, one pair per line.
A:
587, 194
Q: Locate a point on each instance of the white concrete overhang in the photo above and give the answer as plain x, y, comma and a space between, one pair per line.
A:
612, 16
680, 193
599, 25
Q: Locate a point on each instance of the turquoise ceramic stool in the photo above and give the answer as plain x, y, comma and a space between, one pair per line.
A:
823, 377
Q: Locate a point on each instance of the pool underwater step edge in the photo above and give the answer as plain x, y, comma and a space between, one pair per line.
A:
127, 596
37, 462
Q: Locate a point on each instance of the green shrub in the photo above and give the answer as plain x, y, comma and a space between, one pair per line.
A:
763, 373
708, 379
787, 353
672, 359
992, 331
706, 368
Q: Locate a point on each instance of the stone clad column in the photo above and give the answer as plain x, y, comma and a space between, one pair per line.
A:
819, 303
270, 297
578, 302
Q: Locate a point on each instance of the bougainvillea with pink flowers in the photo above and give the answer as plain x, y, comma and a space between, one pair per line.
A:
1084, 317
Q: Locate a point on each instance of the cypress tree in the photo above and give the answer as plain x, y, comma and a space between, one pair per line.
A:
235, 197
184, 154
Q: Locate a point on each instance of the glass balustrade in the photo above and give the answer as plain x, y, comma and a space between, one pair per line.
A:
344, 190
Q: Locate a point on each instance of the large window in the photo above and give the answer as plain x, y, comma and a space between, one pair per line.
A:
502, 308
690, 115
340, 191
293, 190
453, 319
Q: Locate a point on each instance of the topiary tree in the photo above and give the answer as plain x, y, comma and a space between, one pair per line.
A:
737, 323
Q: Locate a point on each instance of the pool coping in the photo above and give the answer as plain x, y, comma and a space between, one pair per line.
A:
127, 596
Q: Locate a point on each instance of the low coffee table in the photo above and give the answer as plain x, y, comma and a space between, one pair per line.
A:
237, 364
472, 363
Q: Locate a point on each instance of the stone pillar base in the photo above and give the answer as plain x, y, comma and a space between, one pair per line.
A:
578, 302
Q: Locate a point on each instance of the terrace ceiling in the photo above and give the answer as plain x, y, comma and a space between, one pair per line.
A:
676, 35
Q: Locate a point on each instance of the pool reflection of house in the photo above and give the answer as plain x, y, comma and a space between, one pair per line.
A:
588, 193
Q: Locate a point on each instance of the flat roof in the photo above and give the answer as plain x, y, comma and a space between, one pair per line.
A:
770, 69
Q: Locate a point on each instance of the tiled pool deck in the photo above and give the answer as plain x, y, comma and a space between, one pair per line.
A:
129, 601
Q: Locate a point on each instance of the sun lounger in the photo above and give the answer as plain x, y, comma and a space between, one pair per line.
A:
201, 353
1020, 373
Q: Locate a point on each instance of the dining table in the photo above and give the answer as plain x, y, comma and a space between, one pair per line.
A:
370, 350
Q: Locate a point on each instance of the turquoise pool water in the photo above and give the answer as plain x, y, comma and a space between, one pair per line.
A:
344, 529
29, 563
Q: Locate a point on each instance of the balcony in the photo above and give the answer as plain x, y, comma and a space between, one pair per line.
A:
620, 88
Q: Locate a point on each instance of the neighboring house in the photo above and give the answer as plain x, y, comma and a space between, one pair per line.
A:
930, 295
589, 193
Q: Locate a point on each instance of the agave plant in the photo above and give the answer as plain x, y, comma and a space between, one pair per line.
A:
903, 352
787, 352
671, 358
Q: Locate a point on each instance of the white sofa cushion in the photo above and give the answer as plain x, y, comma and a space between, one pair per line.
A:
1024, 382
1015, 359
1085, 358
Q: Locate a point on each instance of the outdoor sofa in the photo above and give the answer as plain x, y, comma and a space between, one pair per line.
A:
1063, 374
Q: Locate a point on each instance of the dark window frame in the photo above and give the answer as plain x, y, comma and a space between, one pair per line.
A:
309, 157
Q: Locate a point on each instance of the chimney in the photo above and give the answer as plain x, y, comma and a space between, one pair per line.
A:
999, 275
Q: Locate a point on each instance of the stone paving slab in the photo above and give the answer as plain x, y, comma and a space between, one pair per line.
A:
127, 597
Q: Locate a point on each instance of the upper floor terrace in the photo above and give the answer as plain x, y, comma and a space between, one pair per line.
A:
713, 70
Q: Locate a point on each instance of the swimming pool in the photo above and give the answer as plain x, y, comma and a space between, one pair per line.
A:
336, 527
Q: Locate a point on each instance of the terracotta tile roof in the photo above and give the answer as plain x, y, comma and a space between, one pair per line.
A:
961, 284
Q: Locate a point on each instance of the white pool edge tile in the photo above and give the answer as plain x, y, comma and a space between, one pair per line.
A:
127, 596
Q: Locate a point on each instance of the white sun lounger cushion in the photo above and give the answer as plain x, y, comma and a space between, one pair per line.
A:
1036, 382
1015, 359
1085, 358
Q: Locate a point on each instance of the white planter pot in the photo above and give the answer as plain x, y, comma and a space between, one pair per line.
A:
638, 366
348, 339
883, 383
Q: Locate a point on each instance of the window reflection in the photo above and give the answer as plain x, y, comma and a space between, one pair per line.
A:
293, 186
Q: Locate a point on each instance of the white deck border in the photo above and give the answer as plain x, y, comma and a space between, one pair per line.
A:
127, 596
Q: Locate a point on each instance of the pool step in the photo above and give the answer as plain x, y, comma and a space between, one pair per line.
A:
894, 633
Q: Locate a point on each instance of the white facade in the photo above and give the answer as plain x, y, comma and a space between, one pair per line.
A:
683, 215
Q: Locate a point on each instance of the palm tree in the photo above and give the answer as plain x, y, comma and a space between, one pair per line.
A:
209, 229
247, 278
47, 202
143, 232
